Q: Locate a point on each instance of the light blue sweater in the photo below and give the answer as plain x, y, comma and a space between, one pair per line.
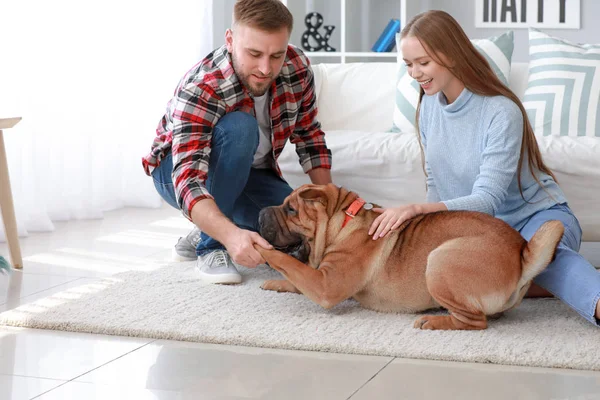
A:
472, 149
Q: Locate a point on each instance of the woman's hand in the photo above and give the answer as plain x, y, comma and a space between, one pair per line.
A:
390, 219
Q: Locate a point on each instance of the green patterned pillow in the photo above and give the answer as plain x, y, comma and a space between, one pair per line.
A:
563, 91
497, 50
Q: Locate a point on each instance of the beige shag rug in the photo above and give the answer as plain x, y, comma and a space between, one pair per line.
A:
171, 303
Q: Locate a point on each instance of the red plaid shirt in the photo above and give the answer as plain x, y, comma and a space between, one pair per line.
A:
210, 90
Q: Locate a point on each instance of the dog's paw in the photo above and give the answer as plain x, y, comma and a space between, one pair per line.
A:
279, 286
423, 323
434, 322
448, 322
271, 285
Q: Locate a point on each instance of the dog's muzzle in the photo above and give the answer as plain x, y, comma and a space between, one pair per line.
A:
282, 240
268, 227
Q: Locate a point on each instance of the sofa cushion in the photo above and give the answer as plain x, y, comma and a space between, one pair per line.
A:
384, 168
563, 90
576, 164
355, 96
518, 78
497, 50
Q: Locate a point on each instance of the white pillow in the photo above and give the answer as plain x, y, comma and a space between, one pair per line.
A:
563, 90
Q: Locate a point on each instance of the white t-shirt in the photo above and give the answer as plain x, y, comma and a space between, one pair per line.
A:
262, 157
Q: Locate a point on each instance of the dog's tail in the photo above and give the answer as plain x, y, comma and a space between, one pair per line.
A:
539, 251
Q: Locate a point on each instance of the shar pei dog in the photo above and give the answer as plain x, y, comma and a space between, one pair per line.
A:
470, 263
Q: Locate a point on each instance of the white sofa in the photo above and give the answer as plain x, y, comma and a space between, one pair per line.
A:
356, 103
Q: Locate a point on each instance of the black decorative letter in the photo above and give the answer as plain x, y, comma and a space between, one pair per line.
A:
512, 8
486, 11
562, 16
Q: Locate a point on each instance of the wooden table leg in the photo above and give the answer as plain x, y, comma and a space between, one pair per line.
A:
8, 209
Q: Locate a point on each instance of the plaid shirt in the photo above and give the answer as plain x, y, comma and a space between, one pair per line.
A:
209, 91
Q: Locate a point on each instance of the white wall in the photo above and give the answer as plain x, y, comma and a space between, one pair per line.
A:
365, 19
363, 29
464, 12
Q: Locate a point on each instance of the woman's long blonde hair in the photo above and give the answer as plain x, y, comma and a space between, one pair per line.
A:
439, 33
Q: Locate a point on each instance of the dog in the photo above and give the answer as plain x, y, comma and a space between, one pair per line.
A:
470, 263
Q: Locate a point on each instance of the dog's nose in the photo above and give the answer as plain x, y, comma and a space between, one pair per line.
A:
261, 217
263, 225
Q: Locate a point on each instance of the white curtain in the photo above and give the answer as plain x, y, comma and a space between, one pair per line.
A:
91, 80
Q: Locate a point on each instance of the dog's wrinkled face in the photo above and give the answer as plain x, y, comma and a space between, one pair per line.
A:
291, 226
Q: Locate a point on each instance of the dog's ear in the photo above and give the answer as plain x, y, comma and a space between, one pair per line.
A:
314, 194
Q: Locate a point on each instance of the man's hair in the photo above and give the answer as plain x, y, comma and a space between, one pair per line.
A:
266, 15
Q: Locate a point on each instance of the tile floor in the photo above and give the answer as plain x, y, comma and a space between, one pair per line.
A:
61, 365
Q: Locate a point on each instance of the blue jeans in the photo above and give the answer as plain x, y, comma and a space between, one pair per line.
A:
239, 190
570, 277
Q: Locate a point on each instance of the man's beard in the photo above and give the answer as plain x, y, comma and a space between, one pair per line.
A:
245, 79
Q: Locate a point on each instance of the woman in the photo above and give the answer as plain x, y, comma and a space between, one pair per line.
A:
480, 154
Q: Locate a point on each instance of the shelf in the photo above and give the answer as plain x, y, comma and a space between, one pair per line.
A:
357, 24
350, 54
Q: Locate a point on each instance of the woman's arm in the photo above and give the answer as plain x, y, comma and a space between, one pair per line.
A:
431, 195
391, 218
499, 160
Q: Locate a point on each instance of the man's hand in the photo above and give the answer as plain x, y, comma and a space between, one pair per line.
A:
240, 247
238, 242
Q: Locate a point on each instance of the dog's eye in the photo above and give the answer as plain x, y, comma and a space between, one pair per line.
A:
290, 210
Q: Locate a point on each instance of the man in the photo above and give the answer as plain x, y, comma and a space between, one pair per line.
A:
215, 153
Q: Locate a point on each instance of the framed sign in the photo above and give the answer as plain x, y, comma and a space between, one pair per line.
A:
555, 14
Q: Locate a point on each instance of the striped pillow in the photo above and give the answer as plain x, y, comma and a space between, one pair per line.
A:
497, 50
563, 91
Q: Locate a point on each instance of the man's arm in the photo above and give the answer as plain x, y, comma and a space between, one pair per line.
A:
196, 112
308, 136
320, 176
207, 216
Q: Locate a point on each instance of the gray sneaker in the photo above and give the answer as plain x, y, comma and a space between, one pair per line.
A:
185, 249
217, 267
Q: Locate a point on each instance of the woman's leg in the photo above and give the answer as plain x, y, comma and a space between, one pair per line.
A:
570, 277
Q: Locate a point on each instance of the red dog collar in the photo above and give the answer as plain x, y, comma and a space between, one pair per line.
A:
355, 208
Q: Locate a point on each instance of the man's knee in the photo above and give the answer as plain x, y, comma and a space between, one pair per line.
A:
167, 192
237, 131
162, 177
